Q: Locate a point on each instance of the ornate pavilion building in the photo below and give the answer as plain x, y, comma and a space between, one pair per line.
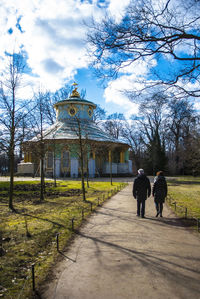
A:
74, 132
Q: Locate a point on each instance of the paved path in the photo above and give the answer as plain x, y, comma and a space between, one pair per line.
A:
118, 255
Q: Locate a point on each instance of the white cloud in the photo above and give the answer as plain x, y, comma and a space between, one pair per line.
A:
133, 77
140, 68
197, 106
114, 93
53, 36
117, 8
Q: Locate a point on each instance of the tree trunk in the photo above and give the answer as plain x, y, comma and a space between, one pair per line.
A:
42, 179
87, 171
54, 165
82, 175
11, 180
12, 161
81, 158
111, 168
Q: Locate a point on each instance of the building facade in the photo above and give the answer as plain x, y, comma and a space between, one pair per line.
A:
72, 140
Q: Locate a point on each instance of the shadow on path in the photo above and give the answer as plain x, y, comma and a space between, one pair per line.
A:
154, 262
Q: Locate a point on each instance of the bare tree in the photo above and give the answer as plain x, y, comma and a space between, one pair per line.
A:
114, 124
39, 123
81, 148
151, 124
49, 114
81, 155
167, 32
192, 153
181, 121
99, 114
162, 133
11, 112
51, 99
50, 118
131, 132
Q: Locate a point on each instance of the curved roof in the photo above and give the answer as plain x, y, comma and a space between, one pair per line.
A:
68, 130
73, 100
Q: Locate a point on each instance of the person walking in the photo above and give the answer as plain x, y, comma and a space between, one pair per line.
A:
141, 190
159, 192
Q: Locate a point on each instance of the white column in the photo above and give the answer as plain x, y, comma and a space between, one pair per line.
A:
74, 168
91, 166
57, 167
130, 166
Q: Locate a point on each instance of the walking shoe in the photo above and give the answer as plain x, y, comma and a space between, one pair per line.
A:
160, 215
143, 216
157, 214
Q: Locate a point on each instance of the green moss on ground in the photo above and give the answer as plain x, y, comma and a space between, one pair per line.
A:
29, 236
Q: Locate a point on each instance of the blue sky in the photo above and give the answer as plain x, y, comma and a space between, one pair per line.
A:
51, 35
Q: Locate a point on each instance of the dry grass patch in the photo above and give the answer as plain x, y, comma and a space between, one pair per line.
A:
185, 191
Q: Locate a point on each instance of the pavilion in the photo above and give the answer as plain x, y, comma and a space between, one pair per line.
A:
73, 133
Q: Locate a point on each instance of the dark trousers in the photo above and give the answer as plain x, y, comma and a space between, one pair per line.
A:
159, 207
140, 207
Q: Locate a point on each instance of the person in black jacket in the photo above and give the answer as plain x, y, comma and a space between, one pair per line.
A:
141, 189
159, 192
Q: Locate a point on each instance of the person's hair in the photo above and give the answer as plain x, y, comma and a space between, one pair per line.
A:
160, 173
141, 171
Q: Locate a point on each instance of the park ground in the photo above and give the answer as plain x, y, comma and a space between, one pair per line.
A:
124, 209
118, 255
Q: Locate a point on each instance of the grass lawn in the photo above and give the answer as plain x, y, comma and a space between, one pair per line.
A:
185, 191
29, 236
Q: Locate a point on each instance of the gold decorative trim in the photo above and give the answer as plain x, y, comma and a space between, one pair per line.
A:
72, 110
90, 111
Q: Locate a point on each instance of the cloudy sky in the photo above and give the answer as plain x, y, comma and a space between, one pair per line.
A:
51, 35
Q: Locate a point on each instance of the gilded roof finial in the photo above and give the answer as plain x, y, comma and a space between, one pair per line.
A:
75, 93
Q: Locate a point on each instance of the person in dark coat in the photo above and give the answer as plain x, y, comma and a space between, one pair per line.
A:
141, 190
159, 192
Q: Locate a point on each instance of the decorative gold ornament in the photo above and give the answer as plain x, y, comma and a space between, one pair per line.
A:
72, 110
75, 93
